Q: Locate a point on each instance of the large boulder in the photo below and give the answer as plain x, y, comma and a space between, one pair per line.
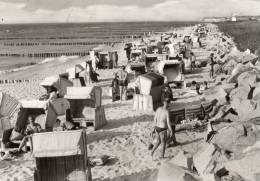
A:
229, 66
248, 167
256, 93
181, 160
171, 172
239, 69
244, 107
227, 136
216, 93
240, 92
248, 78
203, 159
237, 139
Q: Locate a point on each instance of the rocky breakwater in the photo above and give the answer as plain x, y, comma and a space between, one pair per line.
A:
233, 152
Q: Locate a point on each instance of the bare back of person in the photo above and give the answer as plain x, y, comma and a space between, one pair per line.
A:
161, 123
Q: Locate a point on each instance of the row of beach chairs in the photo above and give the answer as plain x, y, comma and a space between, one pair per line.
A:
191, 112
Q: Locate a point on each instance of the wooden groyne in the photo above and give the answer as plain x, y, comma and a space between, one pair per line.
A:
7, 81
44, 55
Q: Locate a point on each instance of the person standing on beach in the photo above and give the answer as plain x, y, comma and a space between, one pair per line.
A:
193, 61
122, 76
162, 123
212, 63
115, 87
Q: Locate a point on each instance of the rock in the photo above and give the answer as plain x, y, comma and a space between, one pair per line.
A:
237, 139
227, 136
243, 107
202, 160
216, 93
248, 167
229, 66
170, 172
239, 69
228, 87
180, 160
247, 78
240, 93
256, 93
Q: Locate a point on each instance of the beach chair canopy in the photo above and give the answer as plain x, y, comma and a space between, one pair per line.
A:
31, 107
149, 59
59, 83
136, 52
50, 82
33, 104
171, 69
103, 53
80, 92
9, 108
64, 75
58, 144
151, 56
8, 104
80, 67
148, 81
93, 93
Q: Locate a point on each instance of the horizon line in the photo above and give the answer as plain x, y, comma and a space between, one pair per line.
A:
130, 21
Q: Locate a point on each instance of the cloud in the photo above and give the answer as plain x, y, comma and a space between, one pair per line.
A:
123, 10
63, 4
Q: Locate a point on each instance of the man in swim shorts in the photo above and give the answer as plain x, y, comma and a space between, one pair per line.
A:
162, 123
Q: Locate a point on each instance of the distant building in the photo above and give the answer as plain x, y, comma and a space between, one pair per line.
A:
214, 19
233, 18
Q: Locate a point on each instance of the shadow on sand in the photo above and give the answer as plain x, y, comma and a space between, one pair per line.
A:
98, 136
146, 175
112, 124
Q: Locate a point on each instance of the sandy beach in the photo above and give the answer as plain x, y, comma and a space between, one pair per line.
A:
126, 136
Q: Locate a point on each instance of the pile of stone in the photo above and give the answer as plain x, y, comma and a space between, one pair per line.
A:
233, 152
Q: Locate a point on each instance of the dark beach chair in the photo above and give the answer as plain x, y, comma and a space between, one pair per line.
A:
206, 108
193, 112
177, 115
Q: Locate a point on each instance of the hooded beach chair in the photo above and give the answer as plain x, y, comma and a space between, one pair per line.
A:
85, 105
61, 156
58, 83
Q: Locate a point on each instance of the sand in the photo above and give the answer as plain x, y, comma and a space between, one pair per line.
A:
126, 136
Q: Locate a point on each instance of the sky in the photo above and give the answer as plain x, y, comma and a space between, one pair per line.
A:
42, 11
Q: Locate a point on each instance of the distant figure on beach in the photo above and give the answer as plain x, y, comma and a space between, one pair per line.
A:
162, 123
90, 74
122, 76
197, 87
115, 87
212, 63
31, 128
128, 48
199, 41
182, 63
193, 60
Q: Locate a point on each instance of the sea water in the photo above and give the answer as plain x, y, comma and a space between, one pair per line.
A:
22, 39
